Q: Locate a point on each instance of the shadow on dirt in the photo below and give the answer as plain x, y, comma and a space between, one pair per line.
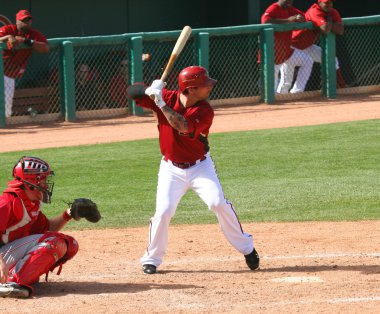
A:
56, 289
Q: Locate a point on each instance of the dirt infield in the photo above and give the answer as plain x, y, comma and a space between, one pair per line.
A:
310, 267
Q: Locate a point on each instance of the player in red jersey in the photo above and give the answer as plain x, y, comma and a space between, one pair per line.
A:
184, 120
16, 59
326, 19
30, 244
283, 12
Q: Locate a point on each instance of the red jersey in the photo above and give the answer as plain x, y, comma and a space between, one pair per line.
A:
282, 40
176, 146
304, 38
15, 61
19, 217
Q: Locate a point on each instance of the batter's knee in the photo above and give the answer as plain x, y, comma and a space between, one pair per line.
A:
217, 203
165, 215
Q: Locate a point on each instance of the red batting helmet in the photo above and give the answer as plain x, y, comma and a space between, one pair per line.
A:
33, 173
194, 76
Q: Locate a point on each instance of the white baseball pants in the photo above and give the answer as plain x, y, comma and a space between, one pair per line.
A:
173, 183
14, 251
305, 64
9, 90
315, 52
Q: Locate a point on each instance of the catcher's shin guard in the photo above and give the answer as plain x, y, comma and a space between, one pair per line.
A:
53, 250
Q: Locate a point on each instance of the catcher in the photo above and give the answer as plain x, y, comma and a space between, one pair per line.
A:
30, 244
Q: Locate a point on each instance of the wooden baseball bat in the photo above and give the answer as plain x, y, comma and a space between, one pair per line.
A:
181, 41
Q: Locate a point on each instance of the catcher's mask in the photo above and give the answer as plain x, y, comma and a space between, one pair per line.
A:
194, 76
34, 174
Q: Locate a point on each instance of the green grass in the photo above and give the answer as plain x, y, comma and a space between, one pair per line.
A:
327, 172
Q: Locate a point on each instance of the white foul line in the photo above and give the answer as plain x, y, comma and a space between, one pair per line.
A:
327, 255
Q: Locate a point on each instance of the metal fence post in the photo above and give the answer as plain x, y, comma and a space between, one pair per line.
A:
267, 64
203, 49
68, 81
328, 66
2, 93
136, 50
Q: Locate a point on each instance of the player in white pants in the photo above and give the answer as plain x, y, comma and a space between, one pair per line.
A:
305, 64
184, 120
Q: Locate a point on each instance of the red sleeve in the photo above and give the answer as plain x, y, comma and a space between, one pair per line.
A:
5, 211
270, 13
335, 16
36, 35
146, 102
317, 17
41, 225
5, 30
167, 95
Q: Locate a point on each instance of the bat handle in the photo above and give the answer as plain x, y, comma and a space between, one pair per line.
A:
168, 67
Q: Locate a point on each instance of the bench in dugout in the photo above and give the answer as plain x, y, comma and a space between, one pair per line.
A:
30, 101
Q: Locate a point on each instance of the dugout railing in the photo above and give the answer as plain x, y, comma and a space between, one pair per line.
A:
85, 77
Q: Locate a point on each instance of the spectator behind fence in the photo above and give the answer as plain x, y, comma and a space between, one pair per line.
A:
88, 88
117, 87
16, 59
326, 19
283, 12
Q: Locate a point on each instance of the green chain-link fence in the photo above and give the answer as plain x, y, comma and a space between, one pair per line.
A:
85, 78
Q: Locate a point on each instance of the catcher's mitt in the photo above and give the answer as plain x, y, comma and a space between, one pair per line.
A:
85, 208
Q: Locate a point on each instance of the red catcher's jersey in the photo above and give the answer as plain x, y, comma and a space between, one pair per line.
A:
304, 38
15, 61
176, 146
282, 40
19, 217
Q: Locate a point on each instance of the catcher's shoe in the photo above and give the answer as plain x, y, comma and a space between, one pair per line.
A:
13, 290
252, 260
149, 269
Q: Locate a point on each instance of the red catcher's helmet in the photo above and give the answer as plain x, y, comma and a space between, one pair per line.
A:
194, 76
33, 173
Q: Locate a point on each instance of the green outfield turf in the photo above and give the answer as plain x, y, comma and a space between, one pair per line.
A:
327, 172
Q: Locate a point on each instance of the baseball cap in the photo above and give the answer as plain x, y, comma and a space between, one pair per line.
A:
23, 14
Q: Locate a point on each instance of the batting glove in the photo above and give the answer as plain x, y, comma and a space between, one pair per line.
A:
157, 95
158, 84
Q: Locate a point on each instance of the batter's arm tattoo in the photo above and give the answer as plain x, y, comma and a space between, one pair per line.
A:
176, 120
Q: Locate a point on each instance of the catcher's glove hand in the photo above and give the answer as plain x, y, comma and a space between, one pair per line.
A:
84, 208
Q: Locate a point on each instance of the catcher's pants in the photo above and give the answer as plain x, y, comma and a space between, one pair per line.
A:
9, 90
173, 183
305, 64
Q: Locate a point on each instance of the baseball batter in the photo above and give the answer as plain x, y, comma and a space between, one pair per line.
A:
15, 59
326, 19
184, 120
30, 244
283, 12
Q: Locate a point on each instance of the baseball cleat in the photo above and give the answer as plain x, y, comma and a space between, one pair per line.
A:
13, 290
149, 269
252, 260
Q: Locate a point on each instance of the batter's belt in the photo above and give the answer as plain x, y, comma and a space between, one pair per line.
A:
184, 165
